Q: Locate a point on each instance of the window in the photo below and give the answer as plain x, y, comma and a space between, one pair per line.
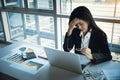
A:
64, 7
16, 26
41, 28
117, 8
36, 29
106, 8
64, 26
40, 4
14, 3
116, 34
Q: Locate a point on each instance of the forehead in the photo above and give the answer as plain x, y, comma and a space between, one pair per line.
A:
82, 21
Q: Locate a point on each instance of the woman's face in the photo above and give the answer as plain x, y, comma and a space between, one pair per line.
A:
83, 25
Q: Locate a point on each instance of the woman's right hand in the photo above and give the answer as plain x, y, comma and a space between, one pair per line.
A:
74, 22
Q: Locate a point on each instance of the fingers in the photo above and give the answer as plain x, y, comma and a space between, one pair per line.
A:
74, 22
87, 52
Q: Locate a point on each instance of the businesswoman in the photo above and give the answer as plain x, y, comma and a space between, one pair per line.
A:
86, 37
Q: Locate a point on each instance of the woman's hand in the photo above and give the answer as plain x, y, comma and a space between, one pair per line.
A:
71, 26
87, 52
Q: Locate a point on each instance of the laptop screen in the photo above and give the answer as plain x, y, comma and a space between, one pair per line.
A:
65, 60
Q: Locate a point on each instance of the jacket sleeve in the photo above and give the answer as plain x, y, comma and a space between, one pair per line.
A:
104, 51
68, 43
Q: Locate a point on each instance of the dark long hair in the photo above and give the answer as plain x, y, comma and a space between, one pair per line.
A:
83, 13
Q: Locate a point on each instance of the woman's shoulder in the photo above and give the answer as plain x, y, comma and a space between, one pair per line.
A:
99, 32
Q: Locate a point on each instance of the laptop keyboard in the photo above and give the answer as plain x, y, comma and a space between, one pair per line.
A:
92, 75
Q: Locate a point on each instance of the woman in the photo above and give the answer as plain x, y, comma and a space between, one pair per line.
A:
86, 37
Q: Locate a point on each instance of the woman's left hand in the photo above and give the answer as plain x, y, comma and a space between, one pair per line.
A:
87, 52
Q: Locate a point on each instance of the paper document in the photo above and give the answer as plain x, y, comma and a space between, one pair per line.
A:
31, 66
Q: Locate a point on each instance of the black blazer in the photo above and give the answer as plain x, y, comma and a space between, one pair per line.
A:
98, 44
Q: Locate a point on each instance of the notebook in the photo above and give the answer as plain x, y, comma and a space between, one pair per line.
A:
65, 60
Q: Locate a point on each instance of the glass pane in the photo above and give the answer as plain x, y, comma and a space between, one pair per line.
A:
1, 32
32, 39
118, 9
40, 4
97, 7
36, 27
15, 26
107, 28
65, 7
64, 27
63, 24
47, 42
40, 30
31, 28
116, 34
46, 24
30, 25
14, 3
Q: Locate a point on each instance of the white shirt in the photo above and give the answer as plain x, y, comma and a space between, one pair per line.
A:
86, 39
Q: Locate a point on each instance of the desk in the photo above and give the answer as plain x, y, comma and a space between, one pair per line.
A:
47, 72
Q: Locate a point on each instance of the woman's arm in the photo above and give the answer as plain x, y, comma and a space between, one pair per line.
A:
70, 34
104, 53
68, 42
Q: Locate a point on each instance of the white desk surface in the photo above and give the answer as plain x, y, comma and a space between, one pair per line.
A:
47, 72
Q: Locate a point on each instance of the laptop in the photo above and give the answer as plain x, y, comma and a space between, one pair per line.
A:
65, 60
